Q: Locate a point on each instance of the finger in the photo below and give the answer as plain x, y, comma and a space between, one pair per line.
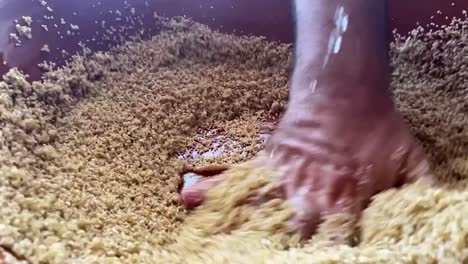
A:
308, 208
418, 168
330, 192
339, 223
191, 175
195, 187
207, 171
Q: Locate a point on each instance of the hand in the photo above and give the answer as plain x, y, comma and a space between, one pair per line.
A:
333, 156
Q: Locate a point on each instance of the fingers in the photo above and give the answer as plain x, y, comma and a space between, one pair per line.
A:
312, 210
325, 192
195, 187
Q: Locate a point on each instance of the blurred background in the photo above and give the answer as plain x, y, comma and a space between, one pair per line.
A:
60, 27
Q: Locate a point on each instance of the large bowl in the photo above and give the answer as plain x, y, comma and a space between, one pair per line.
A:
269, 18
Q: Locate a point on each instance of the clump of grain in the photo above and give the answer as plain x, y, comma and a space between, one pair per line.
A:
89, 157
45, 48
24, 31
229, 228
15, 39
28, 20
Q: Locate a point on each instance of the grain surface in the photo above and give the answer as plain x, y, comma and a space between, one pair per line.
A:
90, 156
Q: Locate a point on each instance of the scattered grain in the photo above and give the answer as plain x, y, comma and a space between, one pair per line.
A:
45, 48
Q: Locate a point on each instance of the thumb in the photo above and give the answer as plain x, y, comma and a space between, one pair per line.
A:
195, 187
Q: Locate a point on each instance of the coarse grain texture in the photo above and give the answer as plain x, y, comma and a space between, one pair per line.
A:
90, 156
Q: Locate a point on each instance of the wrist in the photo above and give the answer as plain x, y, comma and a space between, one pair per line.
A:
341, 49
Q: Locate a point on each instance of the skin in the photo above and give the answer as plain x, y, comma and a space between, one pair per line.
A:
341, 140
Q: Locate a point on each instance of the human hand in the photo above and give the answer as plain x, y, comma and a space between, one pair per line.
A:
333, 156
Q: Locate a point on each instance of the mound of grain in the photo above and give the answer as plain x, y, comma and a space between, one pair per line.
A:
89, 167
413, 225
